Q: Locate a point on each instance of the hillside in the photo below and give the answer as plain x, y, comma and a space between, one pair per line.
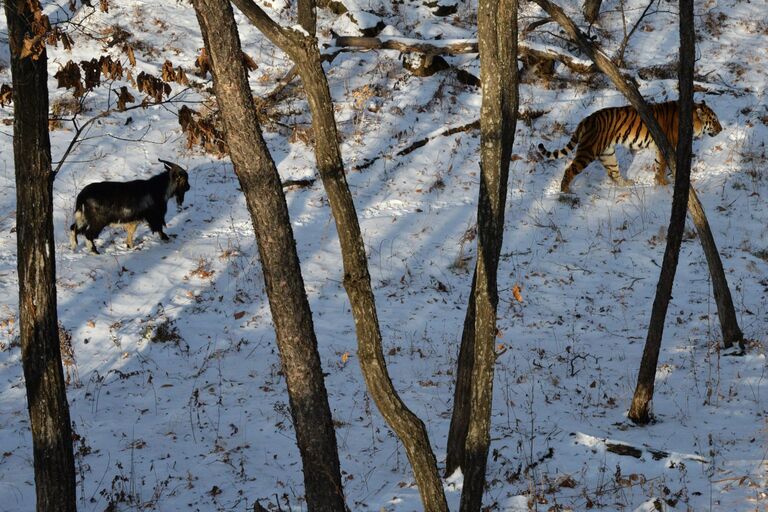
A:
175, 387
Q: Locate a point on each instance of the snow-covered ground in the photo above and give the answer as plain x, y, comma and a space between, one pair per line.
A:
176, 393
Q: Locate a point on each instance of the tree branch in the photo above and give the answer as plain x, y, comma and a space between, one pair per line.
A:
79, 129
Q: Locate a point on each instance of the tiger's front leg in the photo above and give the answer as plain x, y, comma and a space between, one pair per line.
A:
660, 167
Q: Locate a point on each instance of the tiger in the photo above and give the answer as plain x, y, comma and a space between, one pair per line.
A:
597, 135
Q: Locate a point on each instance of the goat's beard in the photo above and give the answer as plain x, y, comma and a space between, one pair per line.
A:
179, 197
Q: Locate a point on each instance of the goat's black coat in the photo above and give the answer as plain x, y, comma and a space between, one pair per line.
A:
128, 203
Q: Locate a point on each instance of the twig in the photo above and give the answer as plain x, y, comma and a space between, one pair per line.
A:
79, 129
421, 142
625, 42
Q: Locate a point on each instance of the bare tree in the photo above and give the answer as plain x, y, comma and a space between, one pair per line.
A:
266, 203
40, 351
725, 309
639, 411
303, 50
497, 39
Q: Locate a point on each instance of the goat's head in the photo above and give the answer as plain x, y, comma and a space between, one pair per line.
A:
179, 180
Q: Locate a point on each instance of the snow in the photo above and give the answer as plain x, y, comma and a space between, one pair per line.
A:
177, 395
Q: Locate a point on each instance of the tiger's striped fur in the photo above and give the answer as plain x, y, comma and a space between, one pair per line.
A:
596, 137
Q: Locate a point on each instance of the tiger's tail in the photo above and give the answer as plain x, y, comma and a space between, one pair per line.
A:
560, 153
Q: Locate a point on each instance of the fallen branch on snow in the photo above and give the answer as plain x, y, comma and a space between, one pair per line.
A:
436, 48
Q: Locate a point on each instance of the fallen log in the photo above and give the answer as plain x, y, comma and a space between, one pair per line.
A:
434, 48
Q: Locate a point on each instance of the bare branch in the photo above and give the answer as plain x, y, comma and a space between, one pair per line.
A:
80, 128
287, 40
625, 41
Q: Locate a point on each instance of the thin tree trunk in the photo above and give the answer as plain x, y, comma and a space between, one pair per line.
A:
308, 15
40, 351
357, 282
591, 10
639, 411
457, 433
497, 38
266, 203
725, 310
409, 428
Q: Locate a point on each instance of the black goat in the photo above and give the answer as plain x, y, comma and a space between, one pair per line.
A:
127, 203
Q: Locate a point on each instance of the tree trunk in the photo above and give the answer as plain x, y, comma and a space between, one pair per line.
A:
591, 10
725, 310
639, 411
40, 351
497, 38
407, 426
266, 203
308, 15
357, 282
457, 433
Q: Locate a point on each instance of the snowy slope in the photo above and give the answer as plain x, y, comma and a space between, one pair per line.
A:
176, 392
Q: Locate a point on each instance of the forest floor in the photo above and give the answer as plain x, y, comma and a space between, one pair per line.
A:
175, 387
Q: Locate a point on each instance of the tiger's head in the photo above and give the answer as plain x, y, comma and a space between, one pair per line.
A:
705, 120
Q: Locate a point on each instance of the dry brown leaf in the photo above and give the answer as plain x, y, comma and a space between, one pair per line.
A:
92, 72
169, 74
516, 293
123, 98
128, 49
6, 95
69, 78
202, 64
181, 76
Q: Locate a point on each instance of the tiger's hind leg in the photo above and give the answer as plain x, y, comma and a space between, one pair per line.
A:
582, 159
608, 159
660, 166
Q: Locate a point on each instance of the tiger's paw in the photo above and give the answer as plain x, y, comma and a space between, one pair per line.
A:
568, 198
624, 182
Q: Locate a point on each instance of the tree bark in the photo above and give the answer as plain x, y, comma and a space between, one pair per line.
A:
497, 38
40, 350
591, 10
725, 309
308, 16
457, 433
303, 50
266, 203
639, 411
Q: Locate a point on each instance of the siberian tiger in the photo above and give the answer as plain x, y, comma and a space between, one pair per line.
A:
597, 135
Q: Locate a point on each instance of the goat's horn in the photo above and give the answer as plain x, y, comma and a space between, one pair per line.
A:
166, 162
